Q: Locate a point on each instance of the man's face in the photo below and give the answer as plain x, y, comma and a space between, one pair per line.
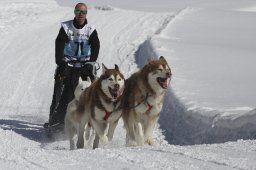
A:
80, 13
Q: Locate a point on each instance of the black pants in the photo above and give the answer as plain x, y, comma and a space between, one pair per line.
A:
66, 80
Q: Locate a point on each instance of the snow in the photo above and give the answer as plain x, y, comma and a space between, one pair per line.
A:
209, 116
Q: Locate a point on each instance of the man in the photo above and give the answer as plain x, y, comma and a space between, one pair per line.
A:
76, 43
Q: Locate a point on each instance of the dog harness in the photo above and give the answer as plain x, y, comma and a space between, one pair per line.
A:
107, 114
149, 106
146, 103
78, 44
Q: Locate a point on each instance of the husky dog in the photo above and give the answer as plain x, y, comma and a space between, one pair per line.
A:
143, 100
98, 105
71, 120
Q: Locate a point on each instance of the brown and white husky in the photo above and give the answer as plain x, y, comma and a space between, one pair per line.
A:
142, 101
98, 106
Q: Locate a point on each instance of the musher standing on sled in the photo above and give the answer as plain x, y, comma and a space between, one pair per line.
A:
76, 43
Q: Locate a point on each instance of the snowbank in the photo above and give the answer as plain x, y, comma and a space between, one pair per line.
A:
184, 122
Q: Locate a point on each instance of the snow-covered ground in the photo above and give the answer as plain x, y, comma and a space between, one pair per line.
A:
210, 45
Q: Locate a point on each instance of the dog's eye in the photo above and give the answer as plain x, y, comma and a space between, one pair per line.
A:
119, 79
160, 69
110, 79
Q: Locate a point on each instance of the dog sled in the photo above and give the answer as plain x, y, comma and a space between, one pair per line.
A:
55, 126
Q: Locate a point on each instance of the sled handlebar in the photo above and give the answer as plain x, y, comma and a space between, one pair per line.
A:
95, 66
80, 63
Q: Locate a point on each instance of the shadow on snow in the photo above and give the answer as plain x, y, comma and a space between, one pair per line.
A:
32, 131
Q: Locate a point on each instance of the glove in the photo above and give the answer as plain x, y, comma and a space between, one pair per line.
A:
62, 72
86, 71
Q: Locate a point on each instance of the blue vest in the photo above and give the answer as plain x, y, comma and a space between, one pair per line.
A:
78, 45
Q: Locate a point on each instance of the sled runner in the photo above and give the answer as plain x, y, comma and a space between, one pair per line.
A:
64, 87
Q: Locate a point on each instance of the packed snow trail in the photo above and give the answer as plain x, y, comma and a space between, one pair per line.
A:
29, 155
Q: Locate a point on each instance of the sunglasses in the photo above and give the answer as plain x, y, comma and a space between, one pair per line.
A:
77, 12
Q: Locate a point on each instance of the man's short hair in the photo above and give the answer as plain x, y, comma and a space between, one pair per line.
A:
80, 3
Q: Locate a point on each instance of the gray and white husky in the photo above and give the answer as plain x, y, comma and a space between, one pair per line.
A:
71, 120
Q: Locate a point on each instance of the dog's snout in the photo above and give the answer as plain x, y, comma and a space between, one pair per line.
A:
117, 86
168, 74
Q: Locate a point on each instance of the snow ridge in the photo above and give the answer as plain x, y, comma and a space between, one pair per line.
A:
104, 8
184, 125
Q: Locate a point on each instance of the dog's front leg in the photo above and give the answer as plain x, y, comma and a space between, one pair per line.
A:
70, 131
130, 132
139, 135
87, 132
100, 128
148, 129
111, 130
82, 127
96, 142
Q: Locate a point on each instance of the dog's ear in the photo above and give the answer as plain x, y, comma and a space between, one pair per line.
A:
88, 79
80, 80
104, 68
162, 58
116, 67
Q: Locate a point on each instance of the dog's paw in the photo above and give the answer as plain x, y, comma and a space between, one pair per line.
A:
104, 140
150, 141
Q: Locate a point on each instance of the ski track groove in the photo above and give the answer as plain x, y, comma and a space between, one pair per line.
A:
185, 156
129, 48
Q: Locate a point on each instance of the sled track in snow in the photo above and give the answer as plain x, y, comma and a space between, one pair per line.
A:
187, 127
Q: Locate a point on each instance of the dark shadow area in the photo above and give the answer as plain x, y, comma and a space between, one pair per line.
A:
28, 130
145, 51
186, 127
